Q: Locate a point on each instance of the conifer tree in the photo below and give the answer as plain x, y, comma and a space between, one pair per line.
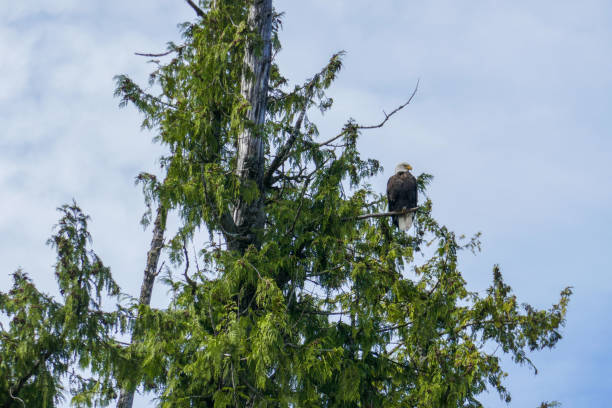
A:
301, 297
47, 341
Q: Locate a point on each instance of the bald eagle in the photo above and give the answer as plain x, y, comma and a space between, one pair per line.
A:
402, 195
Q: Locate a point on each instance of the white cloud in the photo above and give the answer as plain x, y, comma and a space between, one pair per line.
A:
512, 117
15, 63
15, 11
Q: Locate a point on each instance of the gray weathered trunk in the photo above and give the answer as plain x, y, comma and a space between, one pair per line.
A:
248, 215
126, 399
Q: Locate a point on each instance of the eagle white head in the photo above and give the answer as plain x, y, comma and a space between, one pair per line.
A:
402, 167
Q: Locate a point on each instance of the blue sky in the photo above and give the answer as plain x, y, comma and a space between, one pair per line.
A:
512, 118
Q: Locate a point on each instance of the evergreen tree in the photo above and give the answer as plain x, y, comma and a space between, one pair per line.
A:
47, 342
302, 295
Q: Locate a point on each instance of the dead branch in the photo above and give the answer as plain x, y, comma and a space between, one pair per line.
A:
195, 8
157, 244
381, 124
387, 116
163, 54
160, 268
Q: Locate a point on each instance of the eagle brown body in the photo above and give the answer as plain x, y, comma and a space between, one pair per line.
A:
402, 195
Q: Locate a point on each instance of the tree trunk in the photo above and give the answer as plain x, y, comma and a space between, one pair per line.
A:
248, 214
126, 399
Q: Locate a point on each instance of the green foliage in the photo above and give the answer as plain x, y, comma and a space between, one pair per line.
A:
48, 342
330, 311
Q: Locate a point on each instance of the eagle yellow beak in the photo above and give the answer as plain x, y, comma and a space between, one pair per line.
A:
407, 166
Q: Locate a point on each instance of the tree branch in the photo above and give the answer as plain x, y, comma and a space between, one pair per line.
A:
126, 397
160, 268
387, 116
163, 54
284, 151
185, 273
157, 243
299, 210
325, 313
385, 214
381, 124
283, 154
195, 8
25, 378
16, 398
390, 328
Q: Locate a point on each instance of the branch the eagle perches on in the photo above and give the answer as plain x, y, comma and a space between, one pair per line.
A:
385, 214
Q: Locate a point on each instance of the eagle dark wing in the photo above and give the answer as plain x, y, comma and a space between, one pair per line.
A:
401, 192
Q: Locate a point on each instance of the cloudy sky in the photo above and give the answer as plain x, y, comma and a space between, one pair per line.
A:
512, 117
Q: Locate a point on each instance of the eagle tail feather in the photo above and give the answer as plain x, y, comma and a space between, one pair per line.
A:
405, 222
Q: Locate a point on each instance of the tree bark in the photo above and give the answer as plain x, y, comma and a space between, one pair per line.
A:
248, 214
126, 399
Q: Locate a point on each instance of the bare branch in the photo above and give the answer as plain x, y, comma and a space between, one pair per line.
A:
387, 116
160, 268
195, 8
385, 214
163, 54
333, 139
157, 243
381, 124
